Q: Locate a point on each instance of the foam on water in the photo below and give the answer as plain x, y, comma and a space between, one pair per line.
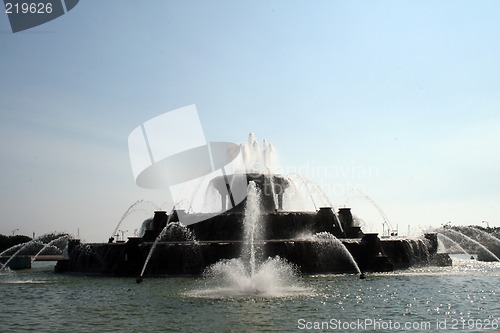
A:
231, 278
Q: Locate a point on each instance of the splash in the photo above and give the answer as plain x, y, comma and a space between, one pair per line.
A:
249, 276
327, 240
275, 277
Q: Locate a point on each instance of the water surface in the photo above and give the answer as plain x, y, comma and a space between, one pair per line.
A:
459, 298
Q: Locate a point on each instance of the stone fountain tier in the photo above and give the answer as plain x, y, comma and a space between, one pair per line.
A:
272, 188
276, 225
192, 257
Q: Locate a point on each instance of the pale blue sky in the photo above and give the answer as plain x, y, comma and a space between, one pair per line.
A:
405, 91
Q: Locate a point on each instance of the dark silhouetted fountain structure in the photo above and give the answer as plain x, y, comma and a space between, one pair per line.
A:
321, 241
189, 250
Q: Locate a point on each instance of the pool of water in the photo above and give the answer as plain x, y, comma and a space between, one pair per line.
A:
464, 297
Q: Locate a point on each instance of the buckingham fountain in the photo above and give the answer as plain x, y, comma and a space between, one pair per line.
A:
257, 229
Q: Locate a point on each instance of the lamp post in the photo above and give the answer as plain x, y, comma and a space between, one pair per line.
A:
14, 231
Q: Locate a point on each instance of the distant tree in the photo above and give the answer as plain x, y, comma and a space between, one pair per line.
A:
9, 241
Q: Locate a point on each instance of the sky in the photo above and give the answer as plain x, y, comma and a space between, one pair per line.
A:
388, 104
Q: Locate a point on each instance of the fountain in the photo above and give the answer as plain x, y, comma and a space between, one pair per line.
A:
19, 262
442, 237
486, 237
22, 255
252, 226
254, 237
466, 238
61, 239
487, 240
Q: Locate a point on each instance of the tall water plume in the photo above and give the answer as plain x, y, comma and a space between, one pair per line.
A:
252, 227
258, 159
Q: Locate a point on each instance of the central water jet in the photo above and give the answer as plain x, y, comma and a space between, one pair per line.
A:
249, 275
252, 226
